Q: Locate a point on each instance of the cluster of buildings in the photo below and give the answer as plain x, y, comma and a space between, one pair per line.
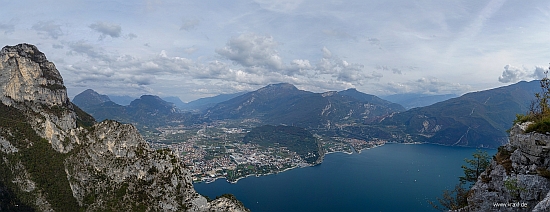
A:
212, 154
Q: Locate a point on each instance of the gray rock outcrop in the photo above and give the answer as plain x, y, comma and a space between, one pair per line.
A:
518, 176
50, 160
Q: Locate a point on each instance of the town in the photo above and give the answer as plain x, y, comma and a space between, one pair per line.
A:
214, 151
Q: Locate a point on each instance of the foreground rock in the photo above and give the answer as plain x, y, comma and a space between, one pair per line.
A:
518, 177
54, 157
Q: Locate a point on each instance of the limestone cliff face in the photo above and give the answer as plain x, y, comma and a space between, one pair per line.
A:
28, 76
51, 160
518, 177
29, 81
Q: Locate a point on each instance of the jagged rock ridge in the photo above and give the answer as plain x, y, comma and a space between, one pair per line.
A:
54, 157
518, 178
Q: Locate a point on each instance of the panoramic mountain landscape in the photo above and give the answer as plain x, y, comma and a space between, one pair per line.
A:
479, 119
282, 105
51, 161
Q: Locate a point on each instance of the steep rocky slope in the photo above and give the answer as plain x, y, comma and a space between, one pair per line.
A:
518, 178
477, 119
54, 157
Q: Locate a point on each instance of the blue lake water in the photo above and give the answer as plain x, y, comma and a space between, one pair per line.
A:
393, 177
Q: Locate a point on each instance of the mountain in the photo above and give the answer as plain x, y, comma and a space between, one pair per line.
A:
413, 100
478, 119
352, 92
295, 139
55, 157
176, 100
150, 104
100, 106
284, 104
203, 104
89, 98
147, 111
121, 100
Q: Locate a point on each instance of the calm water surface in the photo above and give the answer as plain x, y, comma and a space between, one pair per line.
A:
394, 177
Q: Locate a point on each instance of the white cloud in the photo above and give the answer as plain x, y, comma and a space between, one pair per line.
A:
131, 36
106, 29
189, 24
191, 50
255, 52
48, 29
86, 49
540, 72
512, 74
429, 85
326, 53
371, 43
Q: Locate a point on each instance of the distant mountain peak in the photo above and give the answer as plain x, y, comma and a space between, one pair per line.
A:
89, 98
147, 96
153, 103
279, 86
151, 99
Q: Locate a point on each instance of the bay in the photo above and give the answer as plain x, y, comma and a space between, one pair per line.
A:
393, 177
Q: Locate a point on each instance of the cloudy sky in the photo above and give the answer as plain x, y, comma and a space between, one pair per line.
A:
194, 49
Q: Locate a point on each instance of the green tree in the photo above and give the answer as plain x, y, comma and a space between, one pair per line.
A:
458, 197
475, 166
452, 199
539, 110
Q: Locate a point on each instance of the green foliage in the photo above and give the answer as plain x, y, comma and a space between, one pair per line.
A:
55, 109
485, 115
475, 166
458, 197
503, 158
453, 199
54, 87
539, 111
540, 126
83, 119
511, 184
44, 165
296, 139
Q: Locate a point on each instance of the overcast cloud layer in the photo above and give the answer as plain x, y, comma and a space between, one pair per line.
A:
193, 49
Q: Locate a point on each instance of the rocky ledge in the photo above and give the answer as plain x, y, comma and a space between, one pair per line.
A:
518, 178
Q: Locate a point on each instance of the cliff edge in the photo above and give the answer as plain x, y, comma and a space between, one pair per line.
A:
518, 178
55, 157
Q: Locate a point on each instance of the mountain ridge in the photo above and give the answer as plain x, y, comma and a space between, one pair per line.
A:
53, 161
285, 104
478, 119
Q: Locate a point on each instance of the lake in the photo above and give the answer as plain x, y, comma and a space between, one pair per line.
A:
393, 177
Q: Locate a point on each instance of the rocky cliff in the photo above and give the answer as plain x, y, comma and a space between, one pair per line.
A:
518, 178
54, 157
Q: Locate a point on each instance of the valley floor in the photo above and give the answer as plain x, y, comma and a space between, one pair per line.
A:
217, 151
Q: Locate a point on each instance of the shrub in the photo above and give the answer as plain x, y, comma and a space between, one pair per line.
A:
539, 110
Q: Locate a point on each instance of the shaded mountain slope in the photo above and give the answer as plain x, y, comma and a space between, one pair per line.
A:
477, 119
413, 100
147, 111
203, 104
285, 104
